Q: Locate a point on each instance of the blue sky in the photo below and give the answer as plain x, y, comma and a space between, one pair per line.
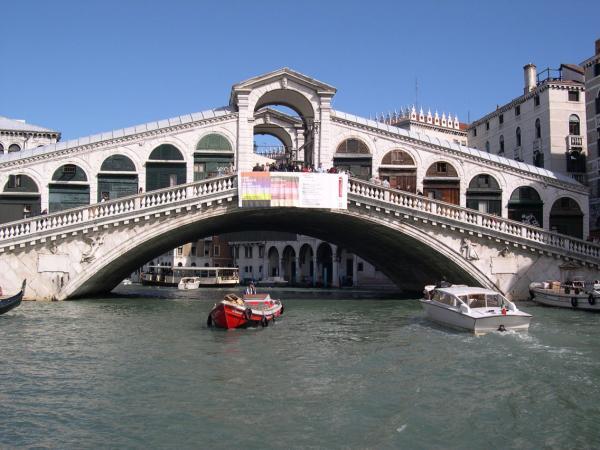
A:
86, 67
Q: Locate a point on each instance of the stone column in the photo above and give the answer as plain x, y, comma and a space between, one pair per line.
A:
335, 278
245, 135
323, 152
314, 274
354, 271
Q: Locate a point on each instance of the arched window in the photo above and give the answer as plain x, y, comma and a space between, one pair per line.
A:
574, 128
487, 146
166, 152
117, 163
538, 129
1, 148
14, 148
441, 182
353, 146
525, 205
501, 140
20, 198
518, 136
399, 158
566, 217
484, 194
399, 169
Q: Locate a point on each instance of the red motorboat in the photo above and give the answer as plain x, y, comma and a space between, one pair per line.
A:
251, 310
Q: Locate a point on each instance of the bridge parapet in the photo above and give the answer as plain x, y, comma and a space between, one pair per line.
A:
516, 232
119, 209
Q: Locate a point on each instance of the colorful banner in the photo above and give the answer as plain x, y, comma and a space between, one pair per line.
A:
292, 189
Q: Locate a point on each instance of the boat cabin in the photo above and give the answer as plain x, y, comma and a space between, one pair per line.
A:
470, 297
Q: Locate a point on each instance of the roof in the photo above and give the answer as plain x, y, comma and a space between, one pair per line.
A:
21, 125
466, 290
116, 134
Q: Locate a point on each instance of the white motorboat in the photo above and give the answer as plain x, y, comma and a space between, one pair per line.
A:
189, 283
476, 309
575, 294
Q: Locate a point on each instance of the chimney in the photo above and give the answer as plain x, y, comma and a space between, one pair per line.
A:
597, 46
530, 74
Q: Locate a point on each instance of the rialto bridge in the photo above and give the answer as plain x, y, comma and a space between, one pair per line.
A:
116, 200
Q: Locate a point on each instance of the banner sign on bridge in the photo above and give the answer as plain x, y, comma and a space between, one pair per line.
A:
293, 189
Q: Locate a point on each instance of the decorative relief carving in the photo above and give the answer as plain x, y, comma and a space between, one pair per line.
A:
94, 243
467, 249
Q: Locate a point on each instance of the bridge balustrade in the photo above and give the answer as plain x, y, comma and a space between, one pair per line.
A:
154, 200
485, 221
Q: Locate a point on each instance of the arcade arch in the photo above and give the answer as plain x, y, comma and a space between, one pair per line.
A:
213, 156
324, 264
68, 188
400, 170
273, 257
442, 182
485, 195
305, 264
117, 178
566, 217
289, 264
525, 205
19, 199
165, 168
353, 155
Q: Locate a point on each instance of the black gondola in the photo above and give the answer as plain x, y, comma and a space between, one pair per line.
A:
8, 302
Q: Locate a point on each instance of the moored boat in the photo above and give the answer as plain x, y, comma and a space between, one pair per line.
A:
189, 283
8, 302
476, 309
251, 310
575, 294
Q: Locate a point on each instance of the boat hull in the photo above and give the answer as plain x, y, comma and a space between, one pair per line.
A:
10, 302
478, 325
560, 299
225, 315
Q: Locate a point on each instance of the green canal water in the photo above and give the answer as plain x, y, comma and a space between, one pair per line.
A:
337, 371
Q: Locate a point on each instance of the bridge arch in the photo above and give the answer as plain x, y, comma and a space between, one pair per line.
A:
407, 254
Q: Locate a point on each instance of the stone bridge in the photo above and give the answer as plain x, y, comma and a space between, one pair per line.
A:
413, 239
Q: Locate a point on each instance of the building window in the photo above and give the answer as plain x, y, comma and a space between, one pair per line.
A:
359, 267
487, 146
597, 69
487, 125
179, 251
501, 119
261, 251
216, 250
574, 125
474, 131
14, 148
193, 251
573, 96
538, 129
518, 110
248, 251
536, 100
442, 167
501, 140
518, 136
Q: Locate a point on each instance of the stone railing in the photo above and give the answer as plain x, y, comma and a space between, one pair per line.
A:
117, 208
479, 221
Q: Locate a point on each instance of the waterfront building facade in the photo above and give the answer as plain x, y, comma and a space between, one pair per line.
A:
591, 67
545, 126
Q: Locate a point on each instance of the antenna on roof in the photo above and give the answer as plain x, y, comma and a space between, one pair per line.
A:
416, 92
468, 116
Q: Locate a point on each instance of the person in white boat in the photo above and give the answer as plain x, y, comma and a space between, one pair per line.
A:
251, 289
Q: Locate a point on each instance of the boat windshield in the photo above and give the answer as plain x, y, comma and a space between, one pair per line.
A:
485, 301
445, 298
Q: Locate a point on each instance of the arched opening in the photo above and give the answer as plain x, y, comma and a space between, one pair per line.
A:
525, 205
566, 217
400, 170
353, 155
271, 150
14, 148
68, 189
574, 126
305, 265
324, 265
501, 144
441, 182
213, 157
294, 105
1, 148
273, 256
484, 195
289, 264
19, 199
165, 168
117, 178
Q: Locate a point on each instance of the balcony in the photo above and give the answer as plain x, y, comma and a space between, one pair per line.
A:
574, 142
580, 177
